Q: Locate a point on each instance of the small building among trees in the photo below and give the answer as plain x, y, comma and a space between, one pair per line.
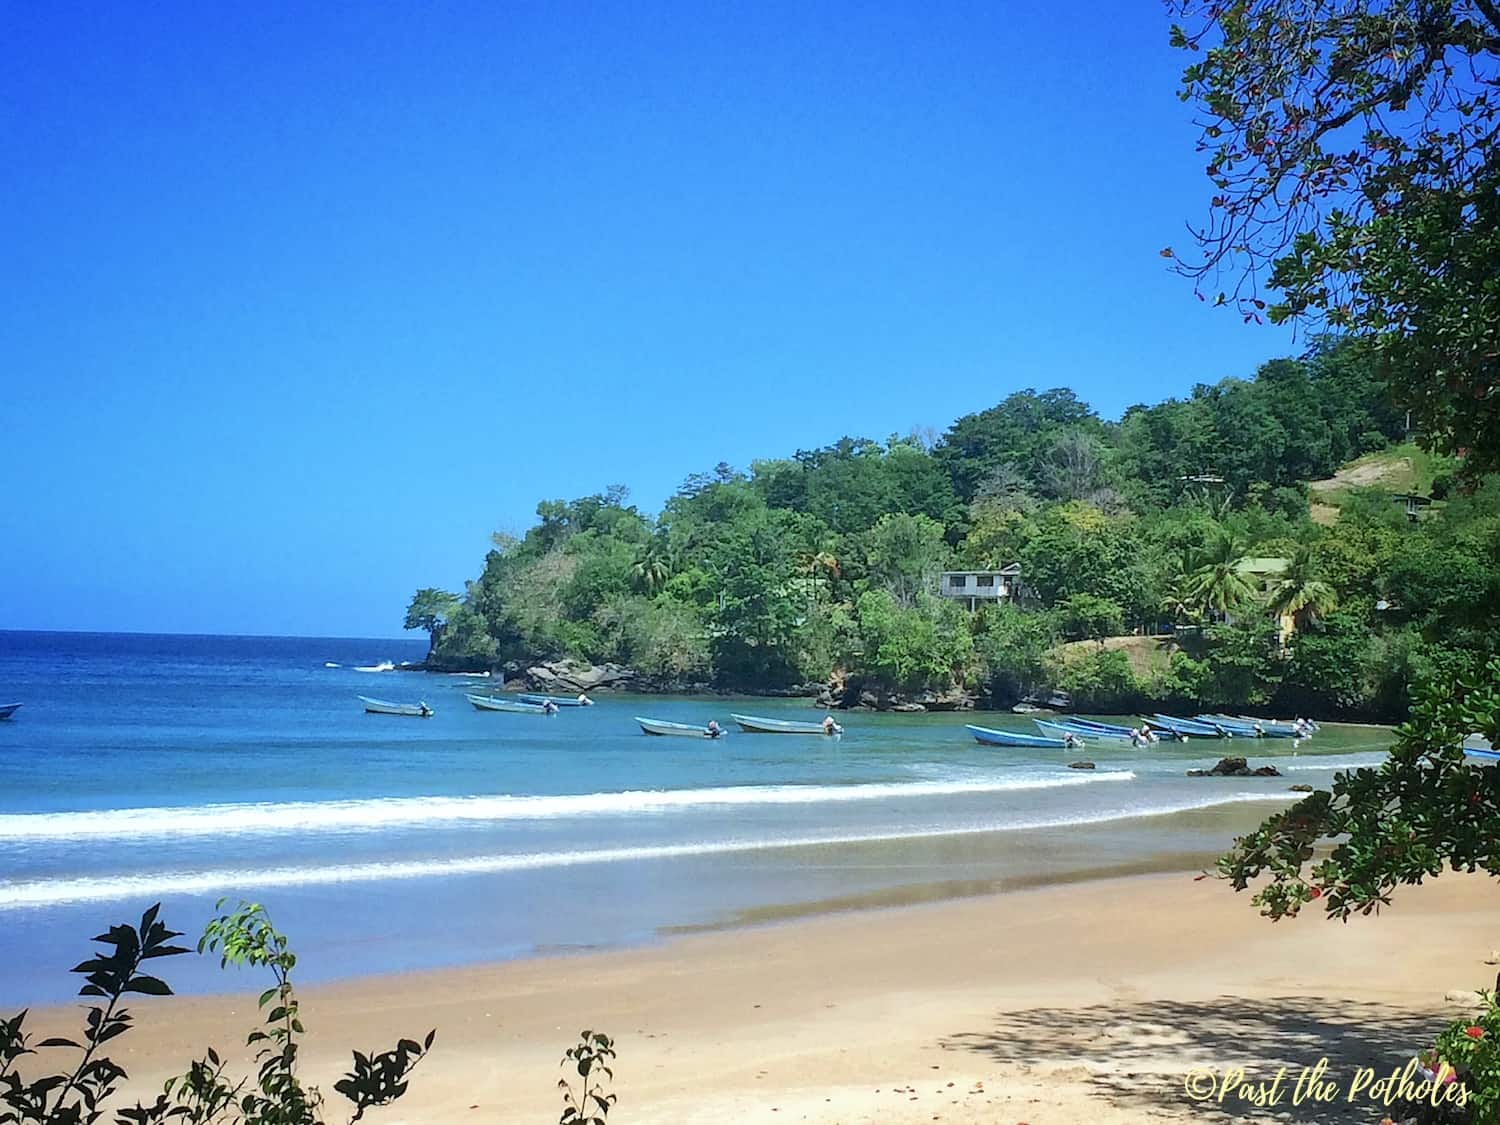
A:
978, 587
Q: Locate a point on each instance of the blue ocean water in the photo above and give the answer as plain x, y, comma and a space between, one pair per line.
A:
185, 769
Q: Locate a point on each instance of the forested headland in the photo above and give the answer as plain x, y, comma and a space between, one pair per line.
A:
1143, 547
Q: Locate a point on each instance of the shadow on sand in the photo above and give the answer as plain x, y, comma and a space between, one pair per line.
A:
1137, 1055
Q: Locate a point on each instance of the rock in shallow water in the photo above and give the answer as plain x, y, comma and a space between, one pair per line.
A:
1236, 767
1080, 765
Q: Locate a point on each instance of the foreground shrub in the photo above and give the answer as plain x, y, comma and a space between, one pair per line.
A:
77, 1094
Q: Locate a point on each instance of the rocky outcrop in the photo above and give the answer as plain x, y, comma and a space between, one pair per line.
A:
1235, 767
570, 677
1081, 765
1301, 788
846, 694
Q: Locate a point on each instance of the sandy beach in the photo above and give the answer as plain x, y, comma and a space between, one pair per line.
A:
1088, 1002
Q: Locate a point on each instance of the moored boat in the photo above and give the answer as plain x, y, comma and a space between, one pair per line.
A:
487, 703
1094, 724
556, 700
990, 737
1062, 730
753, 725
1250, 728
682, 730
8, 709
1189, 728
385, 707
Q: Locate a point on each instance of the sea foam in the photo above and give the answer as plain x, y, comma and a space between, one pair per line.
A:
97, 888
395, 812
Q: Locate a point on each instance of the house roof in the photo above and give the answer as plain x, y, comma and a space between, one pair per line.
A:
1007, 570
1263, 566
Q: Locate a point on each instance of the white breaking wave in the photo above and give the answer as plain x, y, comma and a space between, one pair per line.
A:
1335, 762
389, 812
55, 892
383, 666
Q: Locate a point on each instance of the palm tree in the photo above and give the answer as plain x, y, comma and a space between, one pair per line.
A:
652, 567
1176, 600
1215, 585
1300, 594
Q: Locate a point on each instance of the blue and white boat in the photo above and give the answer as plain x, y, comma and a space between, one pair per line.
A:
682, 730
488, 703
753, 725
1188, 728
8, 709
1063, 730
991, 737
1250, 728
556, 700
1477, 746
385, 707
1093, 724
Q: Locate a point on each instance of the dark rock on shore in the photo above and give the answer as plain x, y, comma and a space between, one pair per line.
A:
1235, 767
1081, 765
1301, 788
570, 677
852, 695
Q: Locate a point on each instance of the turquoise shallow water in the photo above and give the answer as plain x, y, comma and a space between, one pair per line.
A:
183, 769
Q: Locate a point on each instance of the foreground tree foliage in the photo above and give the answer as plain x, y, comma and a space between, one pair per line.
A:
1425, 809
77, 1092
1351, 145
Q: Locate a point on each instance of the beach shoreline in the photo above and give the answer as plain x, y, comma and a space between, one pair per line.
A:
1073, 1003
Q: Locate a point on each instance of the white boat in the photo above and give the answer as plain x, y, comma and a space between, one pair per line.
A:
8, 709
753, 725
683, 730
383, 666
486, 703
557, 700
385, 707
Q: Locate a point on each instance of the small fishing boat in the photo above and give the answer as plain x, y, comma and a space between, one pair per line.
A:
383, 666
1308, 727
1188, 728
1062, 730
556, 700
752, 725
682, 730
1250, 728
385, 707
992, 737
487, 703
1092, 724
8, 709
1269, 728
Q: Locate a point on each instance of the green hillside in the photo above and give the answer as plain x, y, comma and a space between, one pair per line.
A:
819, 570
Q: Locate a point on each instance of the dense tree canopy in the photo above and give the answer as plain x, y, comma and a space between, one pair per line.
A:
825, 565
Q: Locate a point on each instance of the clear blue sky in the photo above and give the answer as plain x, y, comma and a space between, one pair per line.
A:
302, 301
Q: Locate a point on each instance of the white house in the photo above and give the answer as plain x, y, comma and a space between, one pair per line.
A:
975, 587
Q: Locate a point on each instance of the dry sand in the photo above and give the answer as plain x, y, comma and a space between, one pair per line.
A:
1083, 1003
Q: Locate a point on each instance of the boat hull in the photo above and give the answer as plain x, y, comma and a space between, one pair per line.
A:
1248, 730
678, 730
405, 710
1062, 730
485, 703
8, 709
555, 700
990, 737
750, 724
1190, 728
